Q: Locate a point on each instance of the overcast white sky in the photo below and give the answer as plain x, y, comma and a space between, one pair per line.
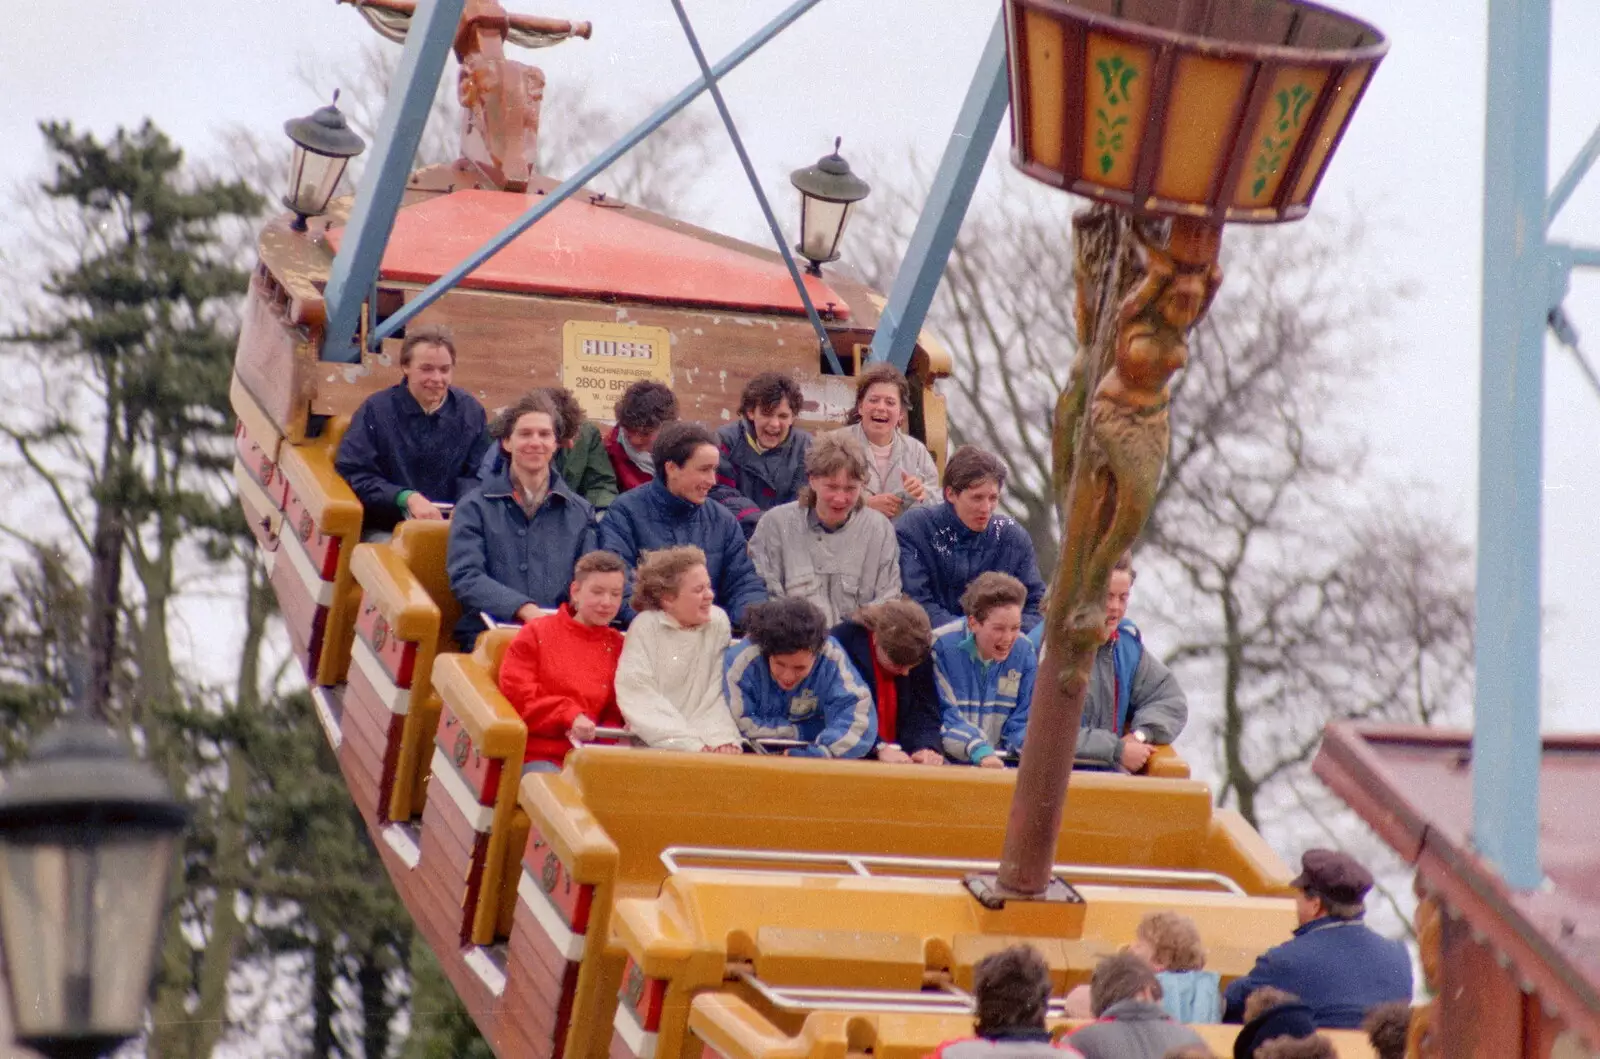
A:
889, 74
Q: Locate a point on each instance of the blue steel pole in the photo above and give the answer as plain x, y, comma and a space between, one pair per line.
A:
355, 267
559, 194
755, 185
948, 199
1581, 164
1516, 304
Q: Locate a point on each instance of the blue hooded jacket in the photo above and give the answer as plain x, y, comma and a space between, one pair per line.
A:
651, 517
499, 560
984, 705
940, 556
1340, 968
831, 708
751, 483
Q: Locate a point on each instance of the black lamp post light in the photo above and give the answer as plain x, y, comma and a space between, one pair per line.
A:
323, 146
828, 190
87, 841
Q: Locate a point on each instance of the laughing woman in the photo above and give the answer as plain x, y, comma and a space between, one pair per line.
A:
900, 470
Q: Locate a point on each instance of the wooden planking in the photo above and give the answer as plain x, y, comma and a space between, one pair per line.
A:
275, 357
302, 615
508, 344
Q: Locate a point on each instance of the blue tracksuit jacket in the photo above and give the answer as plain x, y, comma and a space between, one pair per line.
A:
983, 705
831, 707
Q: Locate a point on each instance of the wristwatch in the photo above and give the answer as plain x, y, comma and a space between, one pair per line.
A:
1138, 733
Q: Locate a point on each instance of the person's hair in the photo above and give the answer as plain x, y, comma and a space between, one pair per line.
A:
645, 406
678, 442
599, 562
1266, 998
1314, 1047
1120, 977
901, 628
1012, 990
659, 573
970, 466
1126, 563
829, 454
766, 391
426, 336
566, 404
505, 420
1338, 909
1174, 941
872, 376
1190, 1051
1387, 1026
784, 626
989, 590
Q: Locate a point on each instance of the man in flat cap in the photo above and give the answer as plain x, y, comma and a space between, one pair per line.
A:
1334, 963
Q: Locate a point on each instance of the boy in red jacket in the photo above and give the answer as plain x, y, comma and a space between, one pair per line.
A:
560, 672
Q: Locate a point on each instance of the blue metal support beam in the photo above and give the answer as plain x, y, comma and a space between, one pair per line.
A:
1574, 175
355, 267
948, 199
559, 194
755, 185
1516, 308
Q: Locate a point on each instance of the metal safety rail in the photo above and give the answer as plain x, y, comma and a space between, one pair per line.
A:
885, 866
943, 999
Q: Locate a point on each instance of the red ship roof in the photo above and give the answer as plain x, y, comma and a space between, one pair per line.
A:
583, 250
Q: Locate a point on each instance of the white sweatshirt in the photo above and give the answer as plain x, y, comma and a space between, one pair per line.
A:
669, 682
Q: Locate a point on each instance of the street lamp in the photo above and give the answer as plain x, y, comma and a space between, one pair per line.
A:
827, 191
87, 835
323, 146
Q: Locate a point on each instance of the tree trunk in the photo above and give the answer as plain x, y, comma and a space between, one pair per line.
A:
372, 978
323, 1005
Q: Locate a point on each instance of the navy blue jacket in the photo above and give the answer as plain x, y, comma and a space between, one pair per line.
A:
750, 483
499, 560
650, 517
939, 557
916, 696
1339, 968
392, 445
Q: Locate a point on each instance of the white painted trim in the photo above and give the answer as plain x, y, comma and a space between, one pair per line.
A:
396, 700
444, 772
633, 1034
269, 558
330, 725
478, 963
570, 945
289, 544
258, 496
408, 851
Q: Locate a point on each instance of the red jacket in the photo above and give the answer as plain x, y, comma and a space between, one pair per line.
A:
629, 476
555, 670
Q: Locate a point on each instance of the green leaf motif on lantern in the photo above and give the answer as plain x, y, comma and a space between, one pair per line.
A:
1291, 114
1116, 75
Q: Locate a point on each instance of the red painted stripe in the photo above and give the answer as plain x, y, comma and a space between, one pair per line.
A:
301, 615
399, 657
254, 458
643, 995
323, 549
481, 773
573, 899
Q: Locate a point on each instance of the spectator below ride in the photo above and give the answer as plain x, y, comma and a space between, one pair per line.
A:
1272, 1017
945, 547
669, 681
672, 510
1335, 963
559, 674
515, 542
788, 679
1134, 703
890, 644
642, 410
763, 454
1125, 997
417, 444
581, 456
1387, 1026
1170, 944
900, 470
1011, 992
985, 670
827, 546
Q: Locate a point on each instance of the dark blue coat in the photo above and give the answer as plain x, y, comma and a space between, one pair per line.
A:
499, 560
651, 517
393, 445
939, 557
916, 696
1339, 968
750, 483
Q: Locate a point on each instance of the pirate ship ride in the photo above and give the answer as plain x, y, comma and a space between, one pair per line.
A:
645, 903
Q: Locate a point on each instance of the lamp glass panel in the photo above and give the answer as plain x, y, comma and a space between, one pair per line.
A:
313, 179
80, 926
821, 224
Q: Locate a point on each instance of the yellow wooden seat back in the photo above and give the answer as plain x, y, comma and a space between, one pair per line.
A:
424, 545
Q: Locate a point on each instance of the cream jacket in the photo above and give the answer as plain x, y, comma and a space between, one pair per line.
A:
669, 682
